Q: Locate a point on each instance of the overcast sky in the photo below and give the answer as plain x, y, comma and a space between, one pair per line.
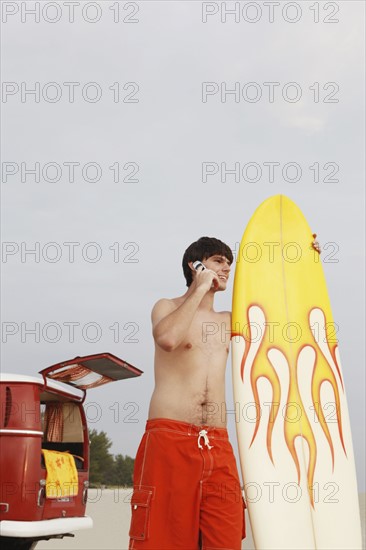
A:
150, 99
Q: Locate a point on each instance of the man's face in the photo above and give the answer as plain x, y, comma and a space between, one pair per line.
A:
221, 266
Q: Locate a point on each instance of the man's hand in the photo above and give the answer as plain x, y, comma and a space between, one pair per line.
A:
206, 279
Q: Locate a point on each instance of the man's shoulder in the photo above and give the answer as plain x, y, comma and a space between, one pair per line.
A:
164, 304
162, 308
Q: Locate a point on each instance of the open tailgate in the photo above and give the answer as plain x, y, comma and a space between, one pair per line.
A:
91, 371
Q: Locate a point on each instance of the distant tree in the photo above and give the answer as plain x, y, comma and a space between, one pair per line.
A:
130, 464
123, 470
105, 469
101, 460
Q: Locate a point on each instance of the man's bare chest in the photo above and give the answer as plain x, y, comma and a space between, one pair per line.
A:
208, 333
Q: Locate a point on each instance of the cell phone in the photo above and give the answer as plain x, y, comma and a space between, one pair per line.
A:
198, 264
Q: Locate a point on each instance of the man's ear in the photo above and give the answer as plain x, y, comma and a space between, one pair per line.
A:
191, 266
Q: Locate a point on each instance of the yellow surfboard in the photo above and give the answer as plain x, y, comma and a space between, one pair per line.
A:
292, 421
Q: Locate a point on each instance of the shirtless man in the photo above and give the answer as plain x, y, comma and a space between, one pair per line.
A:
186, 487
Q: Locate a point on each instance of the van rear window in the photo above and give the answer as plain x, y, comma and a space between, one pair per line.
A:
63, 429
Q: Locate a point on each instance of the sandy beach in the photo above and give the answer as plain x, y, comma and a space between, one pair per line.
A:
110, 510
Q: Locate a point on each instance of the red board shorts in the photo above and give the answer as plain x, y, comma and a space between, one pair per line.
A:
186, 489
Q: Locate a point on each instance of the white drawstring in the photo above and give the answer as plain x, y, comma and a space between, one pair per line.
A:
203, 433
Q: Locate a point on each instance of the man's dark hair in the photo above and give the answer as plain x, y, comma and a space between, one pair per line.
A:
202, 249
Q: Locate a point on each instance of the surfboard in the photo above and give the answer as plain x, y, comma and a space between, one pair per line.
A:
292, 418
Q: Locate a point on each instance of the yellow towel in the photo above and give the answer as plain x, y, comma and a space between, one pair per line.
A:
62, 476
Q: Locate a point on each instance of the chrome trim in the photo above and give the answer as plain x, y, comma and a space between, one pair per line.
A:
27, 432
41, 497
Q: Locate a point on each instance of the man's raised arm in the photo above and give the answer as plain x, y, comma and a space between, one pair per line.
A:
171, 324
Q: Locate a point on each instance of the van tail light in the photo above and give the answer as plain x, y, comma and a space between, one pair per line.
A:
41, 493
4, 507
85, 492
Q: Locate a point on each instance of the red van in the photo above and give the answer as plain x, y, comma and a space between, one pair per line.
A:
44, 448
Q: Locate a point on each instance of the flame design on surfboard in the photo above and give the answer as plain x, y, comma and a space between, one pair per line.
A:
261, 358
